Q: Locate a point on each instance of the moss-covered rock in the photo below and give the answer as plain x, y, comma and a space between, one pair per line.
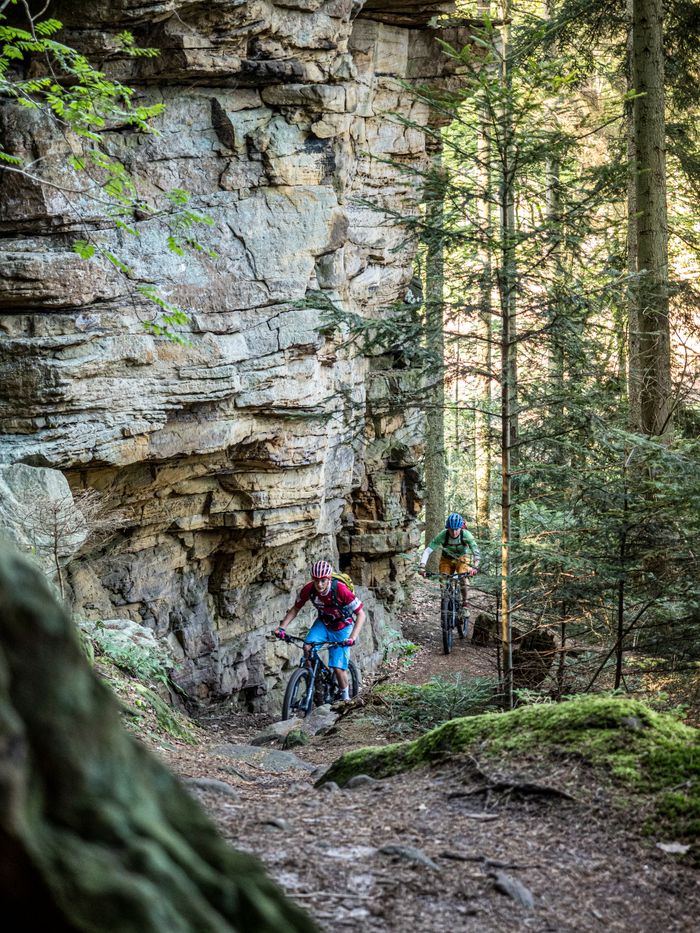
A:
295, 738
641, 750
168, 719
95, 834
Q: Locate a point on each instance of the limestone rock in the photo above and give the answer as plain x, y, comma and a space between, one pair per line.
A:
265, 759
276, 732
318, 720
269, 438
39, 516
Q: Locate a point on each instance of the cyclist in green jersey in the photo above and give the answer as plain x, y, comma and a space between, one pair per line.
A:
455, 540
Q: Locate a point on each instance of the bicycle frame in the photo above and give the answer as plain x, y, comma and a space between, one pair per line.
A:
450, 607
316, 666
451, 581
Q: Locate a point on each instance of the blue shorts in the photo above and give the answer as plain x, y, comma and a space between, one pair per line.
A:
337, 657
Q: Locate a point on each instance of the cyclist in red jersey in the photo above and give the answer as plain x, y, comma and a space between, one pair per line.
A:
336, 605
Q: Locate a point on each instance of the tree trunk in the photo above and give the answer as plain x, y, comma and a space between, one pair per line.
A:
482, 421
509, 374
655, 400
435, 336
553, 201
633, 367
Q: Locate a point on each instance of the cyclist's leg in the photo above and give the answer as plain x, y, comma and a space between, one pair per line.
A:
315, 635
339, 658
462, 566
447, 566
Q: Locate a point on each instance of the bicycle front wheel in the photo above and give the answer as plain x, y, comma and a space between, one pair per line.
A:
459, 624
447, 619
297, 699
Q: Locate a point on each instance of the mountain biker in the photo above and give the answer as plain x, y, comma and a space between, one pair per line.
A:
336, 605
454, 540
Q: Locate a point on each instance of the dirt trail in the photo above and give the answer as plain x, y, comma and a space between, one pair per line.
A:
413, 852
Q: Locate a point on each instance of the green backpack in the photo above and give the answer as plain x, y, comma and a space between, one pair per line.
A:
343, 578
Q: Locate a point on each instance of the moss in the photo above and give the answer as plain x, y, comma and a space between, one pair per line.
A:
168, 720
642, 750
295, 738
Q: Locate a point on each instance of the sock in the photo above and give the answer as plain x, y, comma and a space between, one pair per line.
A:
345, 694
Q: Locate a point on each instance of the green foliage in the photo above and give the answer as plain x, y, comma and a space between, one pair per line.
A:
84, 98
398, 331
396, 646
128, 44
84, 249
417, 707
603, 520
138, 660
172, 316
136, 672
168, 720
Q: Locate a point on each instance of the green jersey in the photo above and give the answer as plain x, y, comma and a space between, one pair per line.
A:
456, 547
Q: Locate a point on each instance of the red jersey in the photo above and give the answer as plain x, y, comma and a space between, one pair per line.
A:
335, 608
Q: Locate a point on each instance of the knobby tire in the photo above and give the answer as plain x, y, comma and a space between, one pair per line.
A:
447, 619
458, 616
296, 693
353, 679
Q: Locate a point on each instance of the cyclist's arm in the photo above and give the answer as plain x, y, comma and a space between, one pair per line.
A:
437, 541
359, 622
291, 615
474, 548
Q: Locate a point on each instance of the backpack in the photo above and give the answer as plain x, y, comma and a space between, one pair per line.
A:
347, 580
461, 539
343, 578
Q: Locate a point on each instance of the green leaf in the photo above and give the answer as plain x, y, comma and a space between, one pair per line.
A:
84, 249
174, 246
48, 27
9, 159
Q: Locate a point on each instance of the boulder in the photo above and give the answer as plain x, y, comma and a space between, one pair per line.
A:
95, 833
39, 516
265, 759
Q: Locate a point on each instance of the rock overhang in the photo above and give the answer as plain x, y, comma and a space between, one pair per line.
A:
248, 450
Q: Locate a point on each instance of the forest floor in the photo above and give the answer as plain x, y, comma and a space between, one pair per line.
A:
422, 851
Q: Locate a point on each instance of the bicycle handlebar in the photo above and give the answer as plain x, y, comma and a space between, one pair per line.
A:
447, 576
313, 644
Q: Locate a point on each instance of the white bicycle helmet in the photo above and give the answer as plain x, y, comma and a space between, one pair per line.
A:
321, 569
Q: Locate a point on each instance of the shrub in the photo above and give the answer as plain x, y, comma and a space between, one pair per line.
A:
417, 707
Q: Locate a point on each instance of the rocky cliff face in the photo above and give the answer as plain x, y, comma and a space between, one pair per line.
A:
267, 440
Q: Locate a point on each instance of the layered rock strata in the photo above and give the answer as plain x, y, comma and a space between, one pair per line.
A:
270, 437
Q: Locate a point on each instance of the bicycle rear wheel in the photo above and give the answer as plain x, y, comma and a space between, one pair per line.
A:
297, 701
353, 682
353, 679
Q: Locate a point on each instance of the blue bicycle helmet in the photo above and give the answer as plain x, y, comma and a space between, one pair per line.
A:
454, 521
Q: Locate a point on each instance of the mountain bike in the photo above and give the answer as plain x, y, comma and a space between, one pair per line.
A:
451, 609
313, 683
